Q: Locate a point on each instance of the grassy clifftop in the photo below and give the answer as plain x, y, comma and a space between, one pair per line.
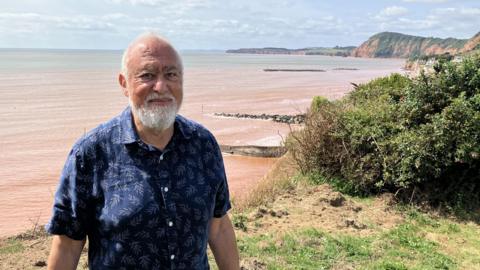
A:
390, 44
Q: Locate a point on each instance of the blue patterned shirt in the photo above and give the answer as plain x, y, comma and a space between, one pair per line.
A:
140, 207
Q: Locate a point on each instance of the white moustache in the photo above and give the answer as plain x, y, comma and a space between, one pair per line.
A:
154, 95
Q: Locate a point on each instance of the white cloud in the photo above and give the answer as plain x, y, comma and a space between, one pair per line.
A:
457, 22
417, 24
141, 2
393, 11
426, 1
405, 25
115, 16
233, 23
34, 22
459, 12
164, 3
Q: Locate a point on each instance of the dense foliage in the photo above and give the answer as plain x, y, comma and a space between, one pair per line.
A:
400, 134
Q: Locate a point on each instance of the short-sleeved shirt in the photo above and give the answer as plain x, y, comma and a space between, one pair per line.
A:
140, 207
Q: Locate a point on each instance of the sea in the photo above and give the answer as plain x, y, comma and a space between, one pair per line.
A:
49, 98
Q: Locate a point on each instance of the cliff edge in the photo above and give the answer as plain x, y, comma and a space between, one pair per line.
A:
396, 45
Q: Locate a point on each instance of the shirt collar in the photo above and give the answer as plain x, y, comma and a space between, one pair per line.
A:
129, 134
183, 127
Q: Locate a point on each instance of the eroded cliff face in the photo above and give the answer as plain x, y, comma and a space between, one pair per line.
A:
388, 44
472, 44
367, 49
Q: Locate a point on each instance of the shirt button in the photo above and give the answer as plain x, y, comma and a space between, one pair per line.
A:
165, 189
172, 257
170, 224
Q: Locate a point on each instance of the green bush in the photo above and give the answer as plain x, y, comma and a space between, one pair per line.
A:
318, 102
397, 133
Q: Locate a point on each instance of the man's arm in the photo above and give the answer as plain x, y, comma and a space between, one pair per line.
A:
65, 253
223, 243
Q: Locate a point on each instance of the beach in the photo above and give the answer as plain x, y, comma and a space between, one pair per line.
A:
50, 98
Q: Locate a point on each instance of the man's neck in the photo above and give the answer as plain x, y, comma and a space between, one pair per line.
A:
159, 139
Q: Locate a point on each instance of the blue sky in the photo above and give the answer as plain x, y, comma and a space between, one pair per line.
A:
223, 24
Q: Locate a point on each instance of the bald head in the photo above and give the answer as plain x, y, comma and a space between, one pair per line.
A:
143, 44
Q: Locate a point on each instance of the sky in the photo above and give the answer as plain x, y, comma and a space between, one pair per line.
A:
229, 24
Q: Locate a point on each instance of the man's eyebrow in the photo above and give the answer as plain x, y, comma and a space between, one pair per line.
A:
146, 67
171, 68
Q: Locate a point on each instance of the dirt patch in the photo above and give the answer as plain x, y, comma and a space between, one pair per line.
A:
322, 208
25, 251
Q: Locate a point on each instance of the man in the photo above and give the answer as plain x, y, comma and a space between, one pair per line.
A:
148, 187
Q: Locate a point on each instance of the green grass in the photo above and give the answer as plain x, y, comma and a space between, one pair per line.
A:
407, 244
239, 222
460, 240
338, 184
403, 247
304, 249
11, 246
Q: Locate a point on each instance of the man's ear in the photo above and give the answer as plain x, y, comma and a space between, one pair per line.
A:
123, 83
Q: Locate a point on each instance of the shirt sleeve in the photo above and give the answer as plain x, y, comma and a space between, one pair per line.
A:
69, 215
222, 197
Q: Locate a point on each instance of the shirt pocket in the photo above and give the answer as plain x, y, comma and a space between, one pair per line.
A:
126, 195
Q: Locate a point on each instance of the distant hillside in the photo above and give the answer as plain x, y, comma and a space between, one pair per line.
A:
335, 51
388, 44
384, 45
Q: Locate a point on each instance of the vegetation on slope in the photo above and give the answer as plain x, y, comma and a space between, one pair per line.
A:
416, 137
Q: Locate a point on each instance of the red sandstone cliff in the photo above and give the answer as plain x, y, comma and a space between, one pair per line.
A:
472, 44
388, 44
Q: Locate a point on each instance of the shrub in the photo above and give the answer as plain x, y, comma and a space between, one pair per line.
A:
318, 102
317, 147
397, 133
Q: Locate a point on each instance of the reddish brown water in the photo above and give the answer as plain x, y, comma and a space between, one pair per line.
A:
44, 112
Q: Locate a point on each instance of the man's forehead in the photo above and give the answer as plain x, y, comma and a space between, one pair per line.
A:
144, 51
152, 54
155, 65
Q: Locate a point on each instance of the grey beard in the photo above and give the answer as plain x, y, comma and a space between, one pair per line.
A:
157, 118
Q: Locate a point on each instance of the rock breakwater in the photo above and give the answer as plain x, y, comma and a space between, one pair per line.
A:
292, 70
254, 150
280, 118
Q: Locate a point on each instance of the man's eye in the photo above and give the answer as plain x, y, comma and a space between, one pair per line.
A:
172, 75
147, 76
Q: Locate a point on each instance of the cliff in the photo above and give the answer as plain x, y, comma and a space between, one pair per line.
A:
389, 44
385, 45
472, 44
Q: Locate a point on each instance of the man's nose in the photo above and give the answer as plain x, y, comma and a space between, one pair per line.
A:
160, 84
